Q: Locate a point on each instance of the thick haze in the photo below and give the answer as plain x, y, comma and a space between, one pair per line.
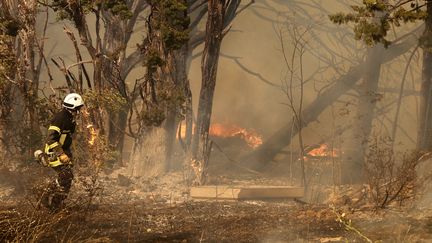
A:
244, 99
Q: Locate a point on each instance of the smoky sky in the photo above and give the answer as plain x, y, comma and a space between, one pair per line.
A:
251, 56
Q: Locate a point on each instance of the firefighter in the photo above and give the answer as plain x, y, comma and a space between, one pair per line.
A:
57, 152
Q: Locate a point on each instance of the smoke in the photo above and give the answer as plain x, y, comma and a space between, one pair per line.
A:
252, 57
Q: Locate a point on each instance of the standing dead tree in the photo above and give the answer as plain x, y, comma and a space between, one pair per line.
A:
293, 83
215, 31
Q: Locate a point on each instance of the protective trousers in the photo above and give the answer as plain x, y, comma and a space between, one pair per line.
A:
58, 190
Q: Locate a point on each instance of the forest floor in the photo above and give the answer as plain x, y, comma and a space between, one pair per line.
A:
120, 209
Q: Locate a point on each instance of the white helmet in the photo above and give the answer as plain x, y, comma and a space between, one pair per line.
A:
73, 101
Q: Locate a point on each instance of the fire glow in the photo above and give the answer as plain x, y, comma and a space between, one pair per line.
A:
323, 151
251, 137
93, 134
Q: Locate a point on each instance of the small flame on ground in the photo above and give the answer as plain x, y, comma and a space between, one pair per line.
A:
93, 134
323, 151
251, 137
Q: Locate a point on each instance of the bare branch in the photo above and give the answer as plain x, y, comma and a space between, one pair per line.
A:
81, 68
198, 18
196, 5
65, 73
139, 7
245, 7
130, 62
251, 72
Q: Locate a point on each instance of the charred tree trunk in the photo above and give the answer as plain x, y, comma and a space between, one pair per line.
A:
282, 138
170, 131
116, 135
114, 39
209, 65
188, 117
178, 72
172, 108
424, 137
198, 9
353, 166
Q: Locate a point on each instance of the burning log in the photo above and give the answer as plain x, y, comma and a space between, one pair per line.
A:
251, 137
230, 134
321, 150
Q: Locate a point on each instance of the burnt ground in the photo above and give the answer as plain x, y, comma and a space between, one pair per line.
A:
194, 222
121, 209
210, 222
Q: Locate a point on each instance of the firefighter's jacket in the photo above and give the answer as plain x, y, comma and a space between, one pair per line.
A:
59, 136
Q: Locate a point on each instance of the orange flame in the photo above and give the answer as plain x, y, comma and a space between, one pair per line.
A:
251, 137
93, 134
323, 151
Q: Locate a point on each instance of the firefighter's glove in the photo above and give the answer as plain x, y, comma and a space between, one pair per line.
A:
41, 157
64, 159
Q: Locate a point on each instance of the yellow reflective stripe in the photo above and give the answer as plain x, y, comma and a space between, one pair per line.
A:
55, 163
62, 138
55, 128
47, 149
50, 146
53, 145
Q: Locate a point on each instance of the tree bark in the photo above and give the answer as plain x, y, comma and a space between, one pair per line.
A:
424, 137
28, 75
178, 72
116, 48
209, 65
353, 166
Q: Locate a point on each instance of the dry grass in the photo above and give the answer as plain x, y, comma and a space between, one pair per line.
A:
28, 225
392, 178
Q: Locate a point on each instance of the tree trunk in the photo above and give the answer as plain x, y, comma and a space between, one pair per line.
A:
28, 74
424, 137
115, 47
170, 130
177, 71
353, 166
209, 65
7, 97
188, 117
282, 138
